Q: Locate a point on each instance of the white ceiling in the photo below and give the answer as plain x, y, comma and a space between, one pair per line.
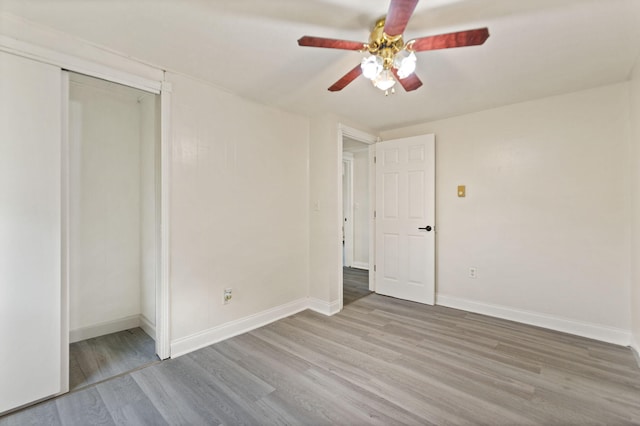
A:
537, 48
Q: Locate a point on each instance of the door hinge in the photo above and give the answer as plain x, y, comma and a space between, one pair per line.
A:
374, 214
374, 159
374, 268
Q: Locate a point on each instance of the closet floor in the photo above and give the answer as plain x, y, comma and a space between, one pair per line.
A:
100, 358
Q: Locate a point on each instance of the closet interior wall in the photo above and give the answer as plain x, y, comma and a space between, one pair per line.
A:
113, 211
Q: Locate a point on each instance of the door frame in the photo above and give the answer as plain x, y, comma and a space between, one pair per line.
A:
161, 337
347, 173
64, 228
142, 81
369, 139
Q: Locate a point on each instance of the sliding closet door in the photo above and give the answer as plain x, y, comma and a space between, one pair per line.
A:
30, 229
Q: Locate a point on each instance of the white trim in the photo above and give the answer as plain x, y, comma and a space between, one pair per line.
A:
372, 219
339, 209
579, 328
230, 329
325, 308
64, 215
360, 265
163, 306
107, 327
147, 326
356, 134
73, 63
354, 151
348, 224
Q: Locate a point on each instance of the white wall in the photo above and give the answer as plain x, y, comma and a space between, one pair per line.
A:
239, 210
635, 216
325, 162
545, 220
106, 210
204, 119
361, 207
239, 198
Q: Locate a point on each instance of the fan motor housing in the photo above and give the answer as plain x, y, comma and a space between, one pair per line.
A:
384, 45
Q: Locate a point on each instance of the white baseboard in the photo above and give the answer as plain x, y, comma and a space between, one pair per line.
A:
360, 265
216, 334
103, 328
578, 328
324, 308
148, 327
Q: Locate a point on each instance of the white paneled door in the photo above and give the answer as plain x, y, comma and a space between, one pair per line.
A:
405, 218
30, 231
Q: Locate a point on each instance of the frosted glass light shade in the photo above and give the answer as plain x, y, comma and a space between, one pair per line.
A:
405, 63
371, 66
385, 80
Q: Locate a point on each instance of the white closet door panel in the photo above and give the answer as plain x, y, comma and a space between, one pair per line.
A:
30, 253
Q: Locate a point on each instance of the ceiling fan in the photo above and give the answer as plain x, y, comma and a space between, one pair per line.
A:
391, 59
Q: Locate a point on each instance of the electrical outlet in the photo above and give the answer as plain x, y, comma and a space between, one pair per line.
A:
228, 294
473, 272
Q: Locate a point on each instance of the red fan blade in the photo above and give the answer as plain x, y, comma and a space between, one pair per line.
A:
346, 79
398, 16
411, 82
331, 43
446, 41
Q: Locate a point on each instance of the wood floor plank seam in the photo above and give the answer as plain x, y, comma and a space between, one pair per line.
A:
116, 376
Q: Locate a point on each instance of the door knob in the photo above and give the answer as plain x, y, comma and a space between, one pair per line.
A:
426, 228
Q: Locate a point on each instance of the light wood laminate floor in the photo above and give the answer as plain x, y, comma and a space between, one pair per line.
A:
355, 285
381, 361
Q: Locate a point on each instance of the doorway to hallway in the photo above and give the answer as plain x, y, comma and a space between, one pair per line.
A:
355, 285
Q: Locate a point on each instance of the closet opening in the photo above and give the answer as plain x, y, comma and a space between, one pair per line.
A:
113, 228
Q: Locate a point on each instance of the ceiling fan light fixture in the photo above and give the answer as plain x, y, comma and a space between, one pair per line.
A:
405, 63
371, 66
390, 59
384, 81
